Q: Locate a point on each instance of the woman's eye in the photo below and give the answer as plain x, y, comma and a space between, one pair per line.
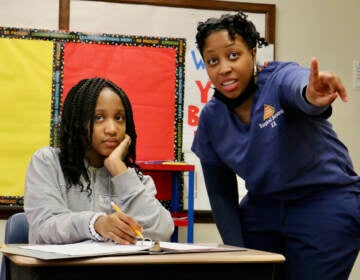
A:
212, 61
98, 118
233, 55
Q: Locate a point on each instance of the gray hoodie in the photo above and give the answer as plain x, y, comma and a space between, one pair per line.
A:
57, 214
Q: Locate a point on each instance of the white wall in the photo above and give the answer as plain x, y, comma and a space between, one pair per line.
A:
325, 29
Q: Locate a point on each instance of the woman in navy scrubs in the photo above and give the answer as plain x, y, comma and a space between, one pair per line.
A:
269, 125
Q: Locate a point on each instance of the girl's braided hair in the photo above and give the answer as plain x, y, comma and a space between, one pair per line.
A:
76, 129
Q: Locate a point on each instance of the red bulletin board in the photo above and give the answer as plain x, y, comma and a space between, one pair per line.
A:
149, 69
146, 74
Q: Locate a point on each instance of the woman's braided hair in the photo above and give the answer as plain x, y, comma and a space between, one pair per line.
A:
235, 24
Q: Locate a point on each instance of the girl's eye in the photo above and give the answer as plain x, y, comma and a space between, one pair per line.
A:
233, 55
120, 118
212, 61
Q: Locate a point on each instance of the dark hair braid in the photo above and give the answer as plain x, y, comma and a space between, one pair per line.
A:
235, 24
77, 121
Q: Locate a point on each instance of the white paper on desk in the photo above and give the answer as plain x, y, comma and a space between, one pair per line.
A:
186, 246
171, 247
89, 247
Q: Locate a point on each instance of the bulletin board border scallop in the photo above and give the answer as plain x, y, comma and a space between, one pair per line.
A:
59, 38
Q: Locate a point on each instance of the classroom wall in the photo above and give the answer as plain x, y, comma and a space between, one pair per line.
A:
327, 30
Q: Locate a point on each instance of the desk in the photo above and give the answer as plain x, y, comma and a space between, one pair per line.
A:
177, 169
248, 264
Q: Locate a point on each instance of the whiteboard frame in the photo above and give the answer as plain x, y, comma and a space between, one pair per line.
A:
267, 9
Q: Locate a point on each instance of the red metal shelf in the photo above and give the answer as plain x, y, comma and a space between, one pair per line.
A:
166, 166
165, 174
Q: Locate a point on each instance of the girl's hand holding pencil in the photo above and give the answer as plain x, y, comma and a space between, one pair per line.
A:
117, 209
119, 227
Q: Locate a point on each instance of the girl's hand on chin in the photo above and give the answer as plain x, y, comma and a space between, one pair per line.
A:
114, 163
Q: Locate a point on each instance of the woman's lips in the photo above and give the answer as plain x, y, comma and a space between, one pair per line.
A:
229, 85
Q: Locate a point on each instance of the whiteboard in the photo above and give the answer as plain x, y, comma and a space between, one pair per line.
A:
164, 21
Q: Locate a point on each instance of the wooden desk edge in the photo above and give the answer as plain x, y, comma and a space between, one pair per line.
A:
247, 256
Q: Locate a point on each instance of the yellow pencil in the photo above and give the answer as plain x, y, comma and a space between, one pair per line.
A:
117, 209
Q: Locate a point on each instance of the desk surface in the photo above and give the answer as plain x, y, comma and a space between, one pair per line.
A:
246, 256
250, 264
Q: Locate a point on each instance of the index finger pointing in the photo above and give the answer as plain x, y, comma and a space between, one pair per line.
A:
314, 69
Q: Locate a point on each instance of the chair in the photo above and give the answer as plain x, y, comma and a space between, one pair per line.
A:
16, 231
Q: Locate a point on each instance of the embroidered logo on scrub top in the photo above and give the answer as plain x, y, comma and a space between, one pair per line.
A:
270, 116
268, 111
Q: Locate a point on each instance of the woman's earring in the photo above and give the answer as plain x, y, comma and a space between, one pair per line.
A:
255, 70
